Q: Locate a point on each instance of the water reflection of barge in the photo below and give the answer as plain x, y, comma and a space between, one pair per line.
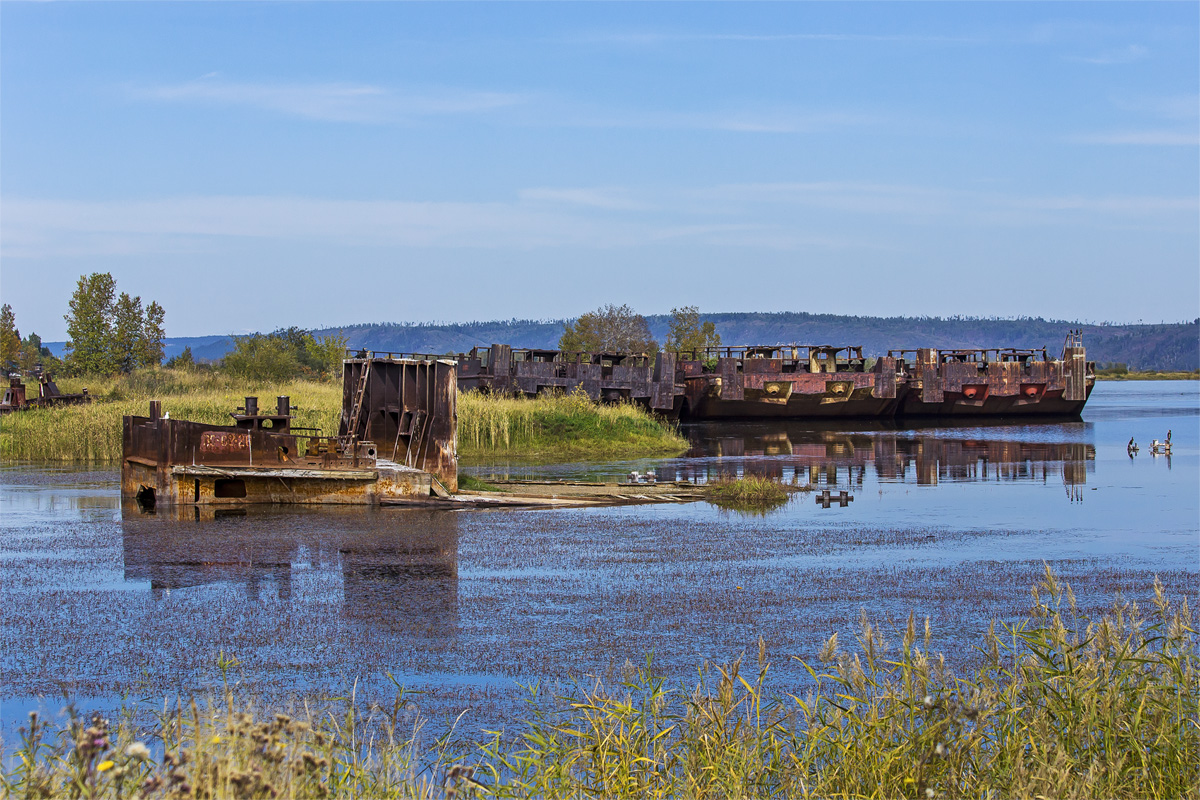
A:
824, 456
399, 568
801, 382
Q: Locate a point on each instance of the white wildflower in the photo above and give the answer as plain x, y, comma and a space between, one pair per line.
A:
138, 751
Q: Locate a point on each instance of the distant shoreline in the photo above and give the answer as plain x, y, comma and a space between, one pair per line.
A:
1152, 376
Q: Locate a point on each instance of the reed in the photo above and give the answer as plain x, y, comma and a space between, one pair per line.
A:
1148, 376
91, 433
550, 425
559, 425
1063, 706
749, 493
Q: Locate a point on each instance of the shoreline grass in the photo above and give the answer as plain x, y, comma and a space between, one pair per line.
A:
489, 426
1148, 376
557, 426
469, 483
1063, 706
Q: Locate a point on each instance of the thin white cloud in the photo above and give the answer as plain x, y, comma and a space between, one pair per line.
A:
652, 38
335, 102
603, 198
1183, 106
1121, 55
766, 121
790, 216
1153, 138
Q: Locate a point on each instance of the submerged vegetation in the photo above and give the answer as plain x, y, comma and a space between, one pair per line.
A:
1062, 706
469, 483
488, 425
749, 493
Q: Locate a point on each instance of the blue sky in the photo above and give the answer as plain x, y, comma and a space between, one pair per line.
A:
254, 165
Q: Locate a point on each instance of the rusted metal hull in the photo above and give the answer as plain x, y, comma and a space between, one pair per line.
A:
799, 382
795, 407
407, 406
1051, 404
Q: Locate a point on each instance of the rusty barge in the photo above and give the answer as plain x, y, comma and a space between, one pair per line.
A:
16, 397
800, 382
396, 441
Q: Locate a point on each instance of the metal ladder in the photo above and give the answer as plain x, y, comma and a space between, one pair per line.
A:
356, 407
416, 435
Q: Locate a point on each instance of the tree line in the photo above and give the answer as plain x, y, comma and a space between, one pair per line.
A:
110, 333
618, 329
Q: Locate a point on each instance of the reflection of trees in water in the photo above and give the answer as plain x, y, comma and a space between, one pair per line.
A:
820, 455
396, 568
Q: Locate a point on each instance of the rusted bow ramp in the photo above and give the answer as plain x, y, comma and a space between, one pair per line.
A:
560, 494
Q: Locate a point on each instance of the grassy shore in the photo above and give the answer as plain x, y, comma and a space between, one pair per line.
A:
551, 427
92, 433
1062, 707
1105, 375
557, 427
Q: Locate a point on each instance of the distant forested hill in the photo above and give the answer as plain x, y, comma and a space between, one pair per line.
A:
1174, 346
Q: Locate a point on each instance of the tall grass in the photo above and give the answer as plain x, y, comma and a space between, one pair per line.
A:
488, 425
1063, 706
91, 433
559, 425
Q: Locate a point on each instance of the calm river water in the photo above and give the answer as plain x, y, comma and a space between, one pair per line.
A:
103, 602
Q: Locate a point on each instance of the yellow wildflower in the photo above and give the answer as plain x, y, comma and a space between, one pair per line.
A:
104, 766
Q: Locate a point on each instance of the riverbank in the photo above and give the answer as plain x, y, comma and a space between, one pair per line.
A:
1062, 706
489, 426
557, 427
1148, 376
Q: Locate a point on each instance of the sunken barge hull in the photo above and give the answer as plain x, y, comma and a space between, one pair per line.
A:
794, 382
396, 444
257, 460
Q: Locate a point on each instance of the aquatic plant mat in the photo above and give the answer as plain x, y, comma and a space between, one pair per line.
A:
550, 426
1061, 706
751, 493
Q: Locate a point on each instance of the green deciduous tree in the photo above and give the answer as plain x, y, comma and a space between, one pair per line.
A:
90, 325
609, 329
33, 353
108, 335
150, 345
185, 360
286, 354
687, 334
10, 337
127, 333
